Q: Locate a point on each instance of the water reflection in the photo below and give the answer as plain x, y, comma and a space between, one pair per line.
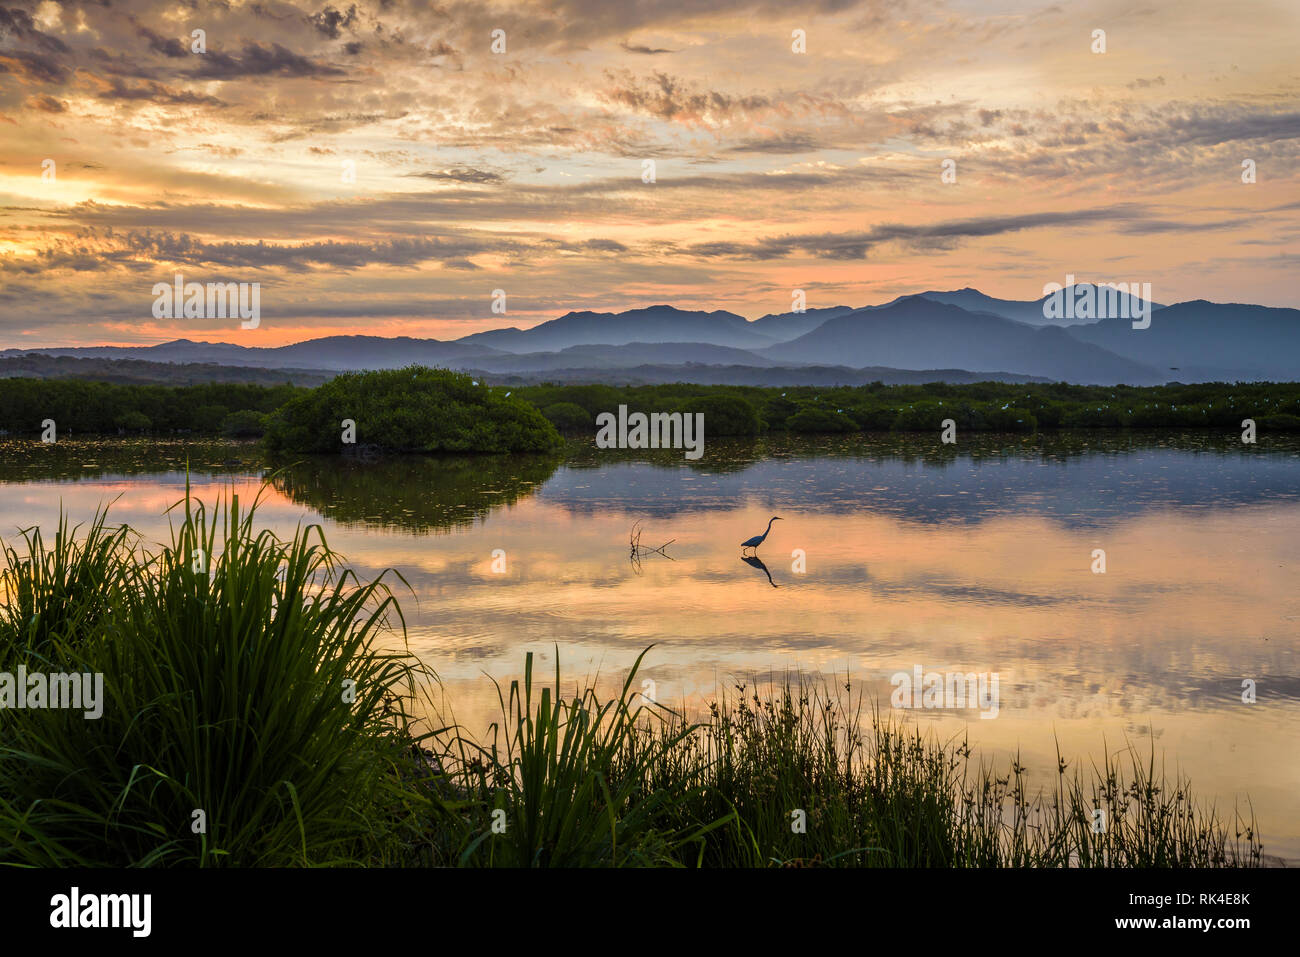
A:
413, 493
755, 562
1080, 479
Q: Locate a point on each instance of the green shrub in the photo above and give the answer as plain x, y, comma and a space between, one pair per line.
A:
925, 417
569, 417
208, 418
875, 418
994, 418
244, 423
133, 421
1092, 417
1281, 422
725, 414
813, 419
415, 409
776, 412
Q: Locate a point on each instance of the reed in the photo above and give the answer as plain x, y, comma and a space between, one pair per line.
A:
251, 715
800, 774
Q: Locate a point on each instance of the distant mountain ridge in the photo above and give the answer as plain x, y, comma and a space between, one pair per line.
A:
916, 332
668, 323
1032, 312
936, 332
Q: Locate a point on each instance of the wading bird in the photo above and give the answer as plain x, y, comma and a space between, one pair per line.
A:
758, 539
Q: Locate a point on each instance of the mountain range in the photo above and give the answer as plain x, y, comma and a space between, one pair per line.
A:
960, 335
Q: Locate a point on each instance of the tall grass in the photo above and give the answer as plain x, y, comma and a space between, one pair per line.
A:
571, 783
62, 592
249, 714
803, 775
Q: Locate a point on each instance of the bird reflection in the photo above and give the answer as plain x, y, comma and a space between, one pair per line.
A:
757, 562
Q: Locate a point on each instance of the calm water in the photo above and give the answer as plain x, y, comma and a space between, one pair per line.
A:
976, 559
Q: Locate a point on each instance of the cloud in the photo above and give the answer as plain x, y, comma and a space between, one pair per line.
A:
35, 68
786, 144
463, 174
169, 47
93, 251
648, 51
667, 98
19, 25
258, 60
45, 103
117, 89
942, 235
331, 22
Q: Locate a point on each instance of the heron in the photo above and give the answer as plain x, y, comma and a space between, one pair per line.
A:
758, 539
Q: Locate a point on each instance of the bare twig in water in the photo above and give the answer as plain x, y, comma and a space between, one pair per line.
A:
637, 549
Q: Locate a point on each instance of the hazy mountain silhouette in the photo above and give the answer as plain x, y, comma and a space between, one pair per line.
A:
1207, 341
753, 375
652, 324
1030, 311
790, 325
916, 332
335, 353
620, 357
35, 365
932, 333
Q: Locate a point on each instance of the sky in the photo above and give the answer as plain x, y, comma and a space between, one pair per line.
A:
385, 167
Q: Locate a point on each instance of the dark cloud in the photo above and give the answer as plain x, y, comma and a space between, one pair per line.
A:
331, 22
943, 235
38, 68
257, 60
45, 103
120, 64
604, 246
666, 98
1207, 127
787, 144
1148, 227
648, 51
167, 46
463, 174
115, 88
19, 25
186, 249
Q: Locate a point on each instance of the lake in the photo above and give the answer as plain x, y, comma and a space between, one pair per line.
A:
893, 553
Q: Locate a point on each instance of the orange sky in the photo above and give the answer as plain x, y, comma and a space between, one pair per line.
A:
377, 168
